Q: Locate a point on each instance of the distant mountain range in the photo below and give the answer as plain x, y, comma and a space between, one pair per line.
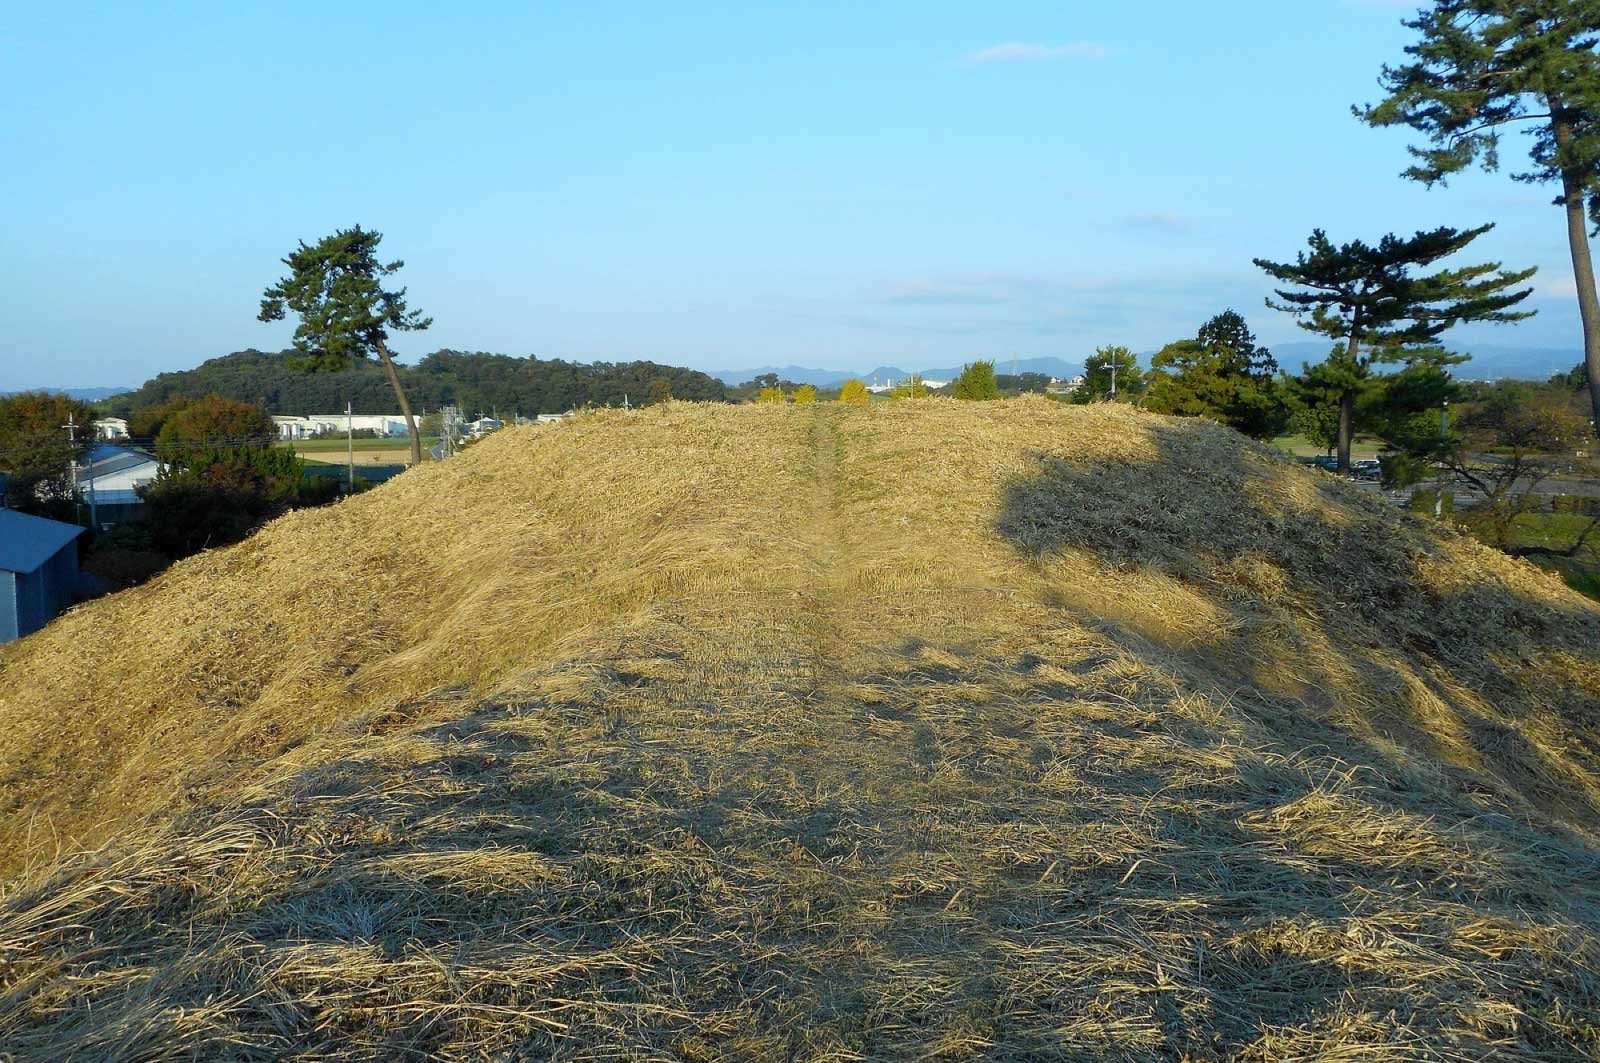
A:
824, 378
1489, 362
81, 394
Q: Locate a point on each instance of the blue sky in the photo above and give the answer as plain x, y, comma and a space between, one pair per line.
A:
716, 185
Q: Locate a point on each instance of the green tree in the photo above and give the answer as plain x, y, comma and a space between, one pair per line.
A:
910, 388
1314, 399
1402, 409
1574, 379
853, 392
805, 393
977, 382
37, 453
1507, 444
336, 289
216, 497
469, 380
1318, 423
1370, 298
145, 423
1480, 66
1110, 373
1021, 383
1222, 374
660, 391
222, 475
210, 425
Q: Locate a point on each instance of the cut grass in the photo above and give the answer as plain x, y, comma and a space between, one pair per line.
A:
918, 730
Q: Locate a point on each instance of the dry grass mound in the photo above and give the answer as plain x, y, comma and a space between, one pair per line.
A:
1002, 731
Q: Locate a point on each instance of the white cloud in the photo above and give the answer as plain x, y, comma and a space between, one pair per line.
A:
1021, 52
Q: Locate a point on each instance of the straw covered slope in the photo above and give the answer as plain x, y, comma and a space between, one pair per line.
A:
923, 730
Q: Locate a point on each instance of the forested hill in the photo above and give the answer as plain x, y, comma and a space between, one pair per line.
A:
475, 382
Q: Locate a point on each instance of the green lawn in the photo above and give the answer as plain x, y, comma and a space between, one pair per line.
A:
1301, 447
312, 446
1557, 530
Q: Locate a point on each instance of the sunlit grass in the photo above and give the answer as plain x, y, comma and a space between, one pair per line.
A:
919, 730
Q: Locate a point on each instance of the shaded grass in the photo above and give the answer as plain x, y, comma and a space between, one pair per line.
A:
1003, 731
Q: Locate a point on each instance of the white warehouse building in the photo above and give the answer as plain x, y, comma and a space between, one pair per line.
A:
385, 424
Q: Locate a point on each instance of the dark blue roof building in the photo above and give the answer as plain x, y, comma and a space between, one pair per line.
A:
38, 571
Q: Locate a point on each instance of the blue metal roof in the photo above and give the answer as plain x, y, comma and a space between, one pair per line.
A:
105, 460
26, 542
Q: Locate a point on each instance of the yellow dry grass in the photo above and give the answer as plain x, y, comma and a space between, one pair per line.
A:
918, 730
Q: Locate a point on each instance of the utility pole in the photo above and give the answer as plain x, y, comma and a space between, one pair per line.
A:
1444, 430
350, 444
447, 419
1113, 377
72, 456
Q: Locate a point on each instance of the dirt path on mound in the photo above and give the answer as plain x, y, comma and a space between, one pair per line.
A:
826, 566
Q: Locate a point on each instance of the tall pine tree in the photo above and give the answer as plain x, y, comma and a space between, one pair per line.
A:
1481, 66
336, 289
1370, 298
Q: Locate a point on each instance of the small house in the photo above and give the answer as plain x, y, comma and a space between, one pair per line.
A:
110, 482
38, 571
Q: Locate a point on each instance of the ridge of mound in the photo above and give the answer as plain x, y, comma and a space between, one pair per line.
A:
934, 730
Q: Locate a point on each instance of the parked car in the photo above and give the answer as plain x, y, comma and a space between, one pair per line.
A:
1367, 469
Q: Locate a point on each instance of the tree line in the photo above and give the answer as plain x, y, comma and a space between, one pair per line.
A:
472, 381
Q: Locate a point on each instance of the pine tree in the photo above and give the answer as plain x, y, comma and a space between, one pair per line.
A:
976, 382
1369, 298
345, 312
1480, 66
1222, 374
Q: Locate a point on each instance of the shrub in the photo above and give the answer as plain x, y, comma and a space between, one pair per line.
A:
805, 393
853, 392
217, 497
771, 395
